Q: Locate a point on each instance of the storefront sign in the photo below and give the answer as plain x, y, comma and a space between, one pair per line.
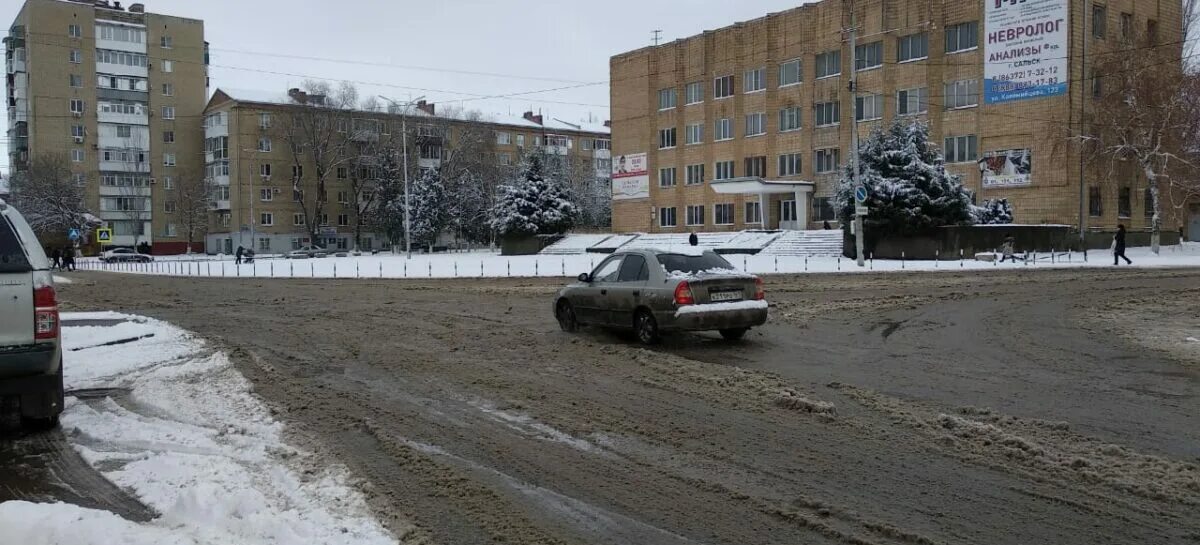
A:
1025, 49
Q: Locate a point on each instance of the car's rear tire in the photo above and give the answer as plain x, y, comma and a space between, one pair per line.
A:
646, 327
565, 313
56, 397
734, 334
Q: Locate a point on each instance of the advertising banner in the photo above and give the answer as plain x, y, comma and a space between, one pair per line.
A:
630, 177
1006, 168
1025, 49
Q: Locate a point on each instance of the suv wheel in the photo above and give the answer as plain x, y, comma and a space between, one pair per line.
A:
646, 328
57, 397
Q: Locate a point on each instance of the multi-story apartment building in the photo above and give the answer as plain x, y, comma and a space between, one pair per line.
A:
118, 91
252, 167
748, 126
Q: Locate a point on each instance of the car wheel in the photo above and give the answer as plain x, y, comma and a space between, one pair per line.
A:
734, 334
50, 422
566, 316
646, 327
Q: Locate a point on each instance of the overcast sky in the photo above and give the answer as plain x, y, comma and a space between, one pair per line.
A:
538, 44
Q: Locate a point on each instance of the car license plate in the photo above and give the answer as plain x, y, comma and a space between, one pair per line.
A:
718, 296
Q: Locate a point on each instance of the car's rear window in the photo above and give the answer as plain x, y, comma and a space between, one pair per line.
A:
12, 253
692, 264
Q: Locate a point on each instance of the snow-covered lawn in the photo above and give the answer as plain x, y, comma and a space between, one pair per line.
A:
185, 435
483, 264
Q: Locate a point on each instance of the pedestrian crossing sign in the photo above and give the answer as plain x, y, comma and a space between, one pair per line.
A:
103, 236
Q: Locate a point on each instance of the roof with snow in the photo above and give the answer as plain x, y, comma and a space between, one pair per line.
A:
548, 123
754, 184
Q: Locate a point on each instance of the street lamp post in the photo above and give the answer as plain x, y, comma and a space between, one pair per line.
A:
404, 145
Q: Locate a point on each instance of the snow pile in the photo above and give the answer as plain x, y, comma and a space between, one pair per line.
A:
682, 275
574, 244
731, 306
680, 249
193, 443
62, 280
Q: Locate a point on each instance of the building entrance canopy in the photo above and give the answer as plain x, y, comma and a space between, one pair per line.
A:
753, 185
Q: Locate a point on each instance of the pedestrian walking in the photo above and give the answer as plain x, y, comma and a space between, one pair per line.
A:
55, 258
826, 225
1118, 247
240, 251
68, 259
1008, 249
693, 239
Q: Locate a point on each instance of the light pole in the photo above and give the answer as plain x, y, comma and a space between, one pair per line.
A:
404, 145
250, 167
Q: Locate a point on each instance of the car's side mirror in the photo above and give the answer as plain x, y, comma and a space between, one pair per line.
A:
585, 278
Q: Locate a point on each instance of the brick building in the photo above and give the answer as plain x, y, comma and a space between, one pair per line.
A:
719, 113
252, 169
118, 91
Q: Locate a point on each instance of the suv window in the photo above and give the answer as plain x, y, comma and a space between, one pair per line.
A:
634, 269
692, 264
607, 271
12, 253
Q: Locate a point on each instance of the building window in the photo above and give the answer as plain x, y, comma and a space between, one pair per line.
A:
1097, 85
76, 81
756, 166
343, 220
694, 174
168, 159
168, 182
342, 173
693, 93
962, 37
754, 80
1099, 21
868, 107
913, 47
297, 172
520, 140
76, 57
961, 149
168, 66
666, 217
1148, 202
76, 155
1095, 202
120, 34
723, 214
823, 209
168, 112
724, 129
1126, 25
168, 137
693, 134
723, 87
225, 220
168, 89
666, 99
266, 219
724, 170
266, 194
790, 73
297, 220
756, 124
912, 101
76, 106
1124, 202
430, 151
264, 245
264, 170
753, 212
694, 214
789, 119
666, 138
666, 177
77, 132
962, 94
264, 120
826, 113
789, 164
264, 144
165, 42
787, 210
169, 207
506, 160
602, 165
170, 231
867, 56
343, 197
122, 58
503, 138
74, 31
825, 160
829, 64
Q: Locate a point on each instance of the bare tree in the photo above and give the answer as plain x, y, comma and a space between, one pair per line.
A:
364, 172
51, 198
317, 132
133, 187
193, 190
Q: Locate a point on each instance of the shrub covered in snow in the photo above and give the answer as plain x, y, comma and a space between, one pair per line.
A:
429, 208
993, 212
908, 188
533, 205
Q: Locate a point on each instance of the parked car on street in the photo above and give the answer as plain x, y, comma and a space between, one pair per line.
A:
305, 252
655, 291
30, 355
125, 255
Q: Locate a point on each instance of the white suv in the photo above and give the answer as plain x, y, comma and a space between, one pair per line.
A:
31, 369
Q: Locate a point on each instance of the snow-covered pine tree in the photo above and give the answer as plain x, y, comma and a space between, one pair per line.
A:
908, 188
533, 205
429, 209
993, 212
387, 217
470, 205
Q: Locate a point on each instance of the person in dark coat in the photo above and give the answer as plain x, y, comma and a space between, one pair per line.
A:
1008, 249
826, 226
239, 253
55, 258
693, 239
1119, 247
68, 258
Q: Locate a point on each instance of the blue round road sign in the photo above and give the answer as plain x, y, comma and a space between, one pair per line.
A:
860, 194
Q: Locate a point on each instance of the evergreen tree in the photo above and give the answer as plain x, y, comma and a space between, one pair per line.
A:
533, 205
387, 217
993, 212
908, 188
470, 207
429, 209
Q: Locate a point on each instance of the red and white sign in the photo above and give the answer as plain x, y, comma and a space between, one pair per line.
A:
630, 177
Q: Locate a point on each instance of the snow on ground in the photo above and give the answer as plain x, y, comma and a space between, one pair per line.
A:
191, 441
62, 280
731, 306
480, 264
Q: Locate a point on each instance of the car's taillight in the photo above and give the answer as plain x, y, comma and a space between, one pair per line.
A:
683, 294
45, 313
759, 292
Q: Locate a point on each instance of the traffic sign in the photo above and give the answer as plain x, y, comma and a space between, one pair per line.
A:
860, 194
861, 210
103, 236
73, 235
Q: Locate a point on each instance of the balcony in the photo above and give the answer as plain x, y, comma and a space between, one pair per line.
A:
125, 215
122, 70
215, 131
123, 119
125, 166
218, 205
124, 191
220, 180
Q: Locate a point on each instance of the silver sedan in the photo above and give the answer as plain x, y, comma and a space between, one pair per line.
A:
658, 290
